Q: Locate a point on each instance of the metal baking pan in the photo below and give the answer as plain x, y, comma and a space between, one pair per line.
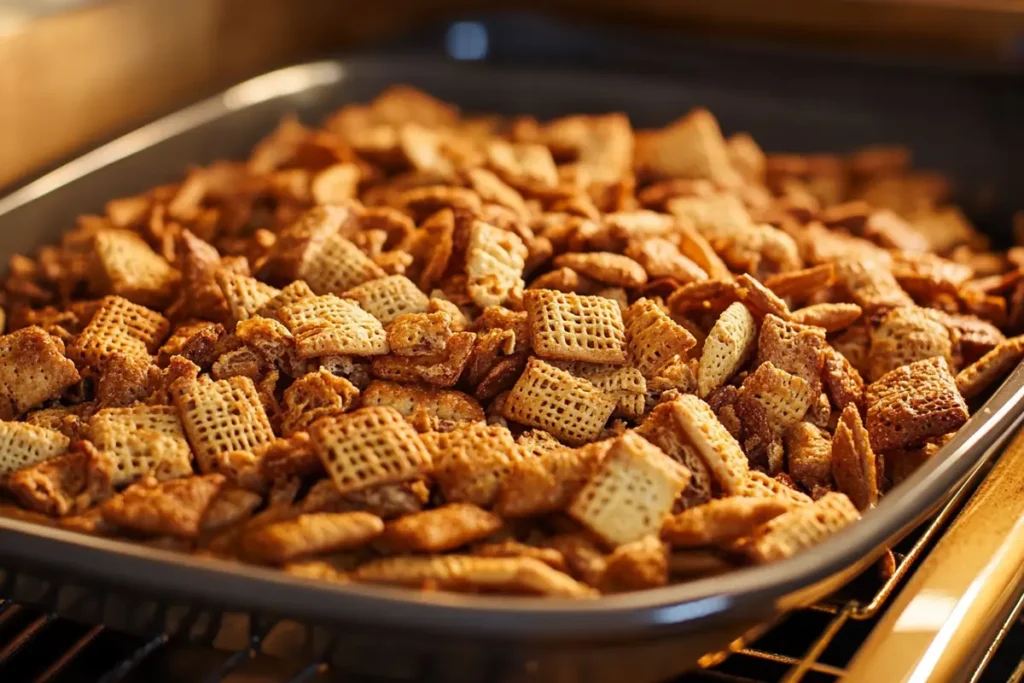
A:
644, 636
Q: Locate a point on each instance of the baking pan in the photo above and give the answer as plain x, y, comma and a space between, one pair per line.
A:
641, 636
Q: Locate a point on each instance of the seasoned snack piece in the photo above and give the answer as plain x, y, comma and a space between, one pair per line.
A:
123, 264
331, 264
625, 384
572, 327
172, 508
244, 295
441, 529
513, 548
830, 317
661, 258
439, 370
33, 369
495, 260
903, 336
842, 382
759, 299
801, 283
636, 566
327, 326
663, 428
548, 482
795, 348
612, 269
310, 534
222, 418
296, 291
471, 462
854, 465
119, 326
809, 451
368, 447
760, 485
727, 348
870, 284
913, 403
801, 528
774, 396
691, 147
631, 492
570, 408
437, 407
389, 297
143, 440
653, 337
230, 507
420, 334
22, 445
65, 484
71, 421
313, 396
517, 575
719, 522
713, 443
980, 375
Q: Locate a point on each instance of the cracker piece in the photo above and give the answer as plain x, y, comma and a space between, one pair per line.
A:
221, 418
143, 440
572, 327
653, 338
631, 492
781, 397
801, 528
854, 466
976, 378
440, 407
472, 461
33, 370
809, 450
290, 294
420, 334
441, 529
636, 566
548, 482
389, 297
728, 346
794, 348
312, 533
172, 508
801, 283
23, 445
245, 295
313, 396
368, 447
332, 264
439, 370
720, 522
912, 403
663, 429
119, 326
327, 326
465, 573
906, 335
495, 260
65, 484
691, 147
570, 408
602, 266
830, 317
870, 284
625, 384
714, 444
513, 548
842, 382
124, 265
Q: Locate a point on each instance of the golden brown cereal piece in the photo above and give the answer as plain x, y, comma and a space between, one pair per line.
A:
123, 380
296, 291
794, 348
903, 336
809, 451
842, 382
332, 265
230, 507
663, 429
801, 528
761, 300
441, 529
691, 147
420, 334
712, 442
439, 370
335, 184
65, 484
602, 145
631, 492
221, 418
143, 440
782, 398
661, 258
495, 260
976, 378
924, 275
327, 325
976, 337
719, 522
536, 442
653, 338
829, 317
913, 403
196, 342
570, 408
33, 369
613, 269
124, 265
471, 461
266, 337
523, 165
242, 362
389, 297
310, 534
244, 295
119, 326
625, 384
316, 570
441, 405
703, 296
71, 421
512, 548
801, 283
636, 566
516, 575
572, 327
368, 447
290, 457
727, 347
870, 284
422, 202
547, 482
563, 280
854, 466
491, 189
22, 445
313, 396
173, 508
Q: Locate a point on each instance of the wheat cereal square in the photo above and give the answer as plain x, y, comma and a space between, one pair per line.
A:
143, 440
573, 327
389, 297
23, 445
495, 260
653, 337
123, 264
472, 461
728, 346
290, 293
714, 444
33, 369
973, 380
244, 295
118, 326
904, 335
330, 326
333, 264
801, 528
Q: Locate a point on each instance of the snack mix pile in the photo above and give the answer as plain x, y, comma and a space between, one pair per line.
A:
495, 355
